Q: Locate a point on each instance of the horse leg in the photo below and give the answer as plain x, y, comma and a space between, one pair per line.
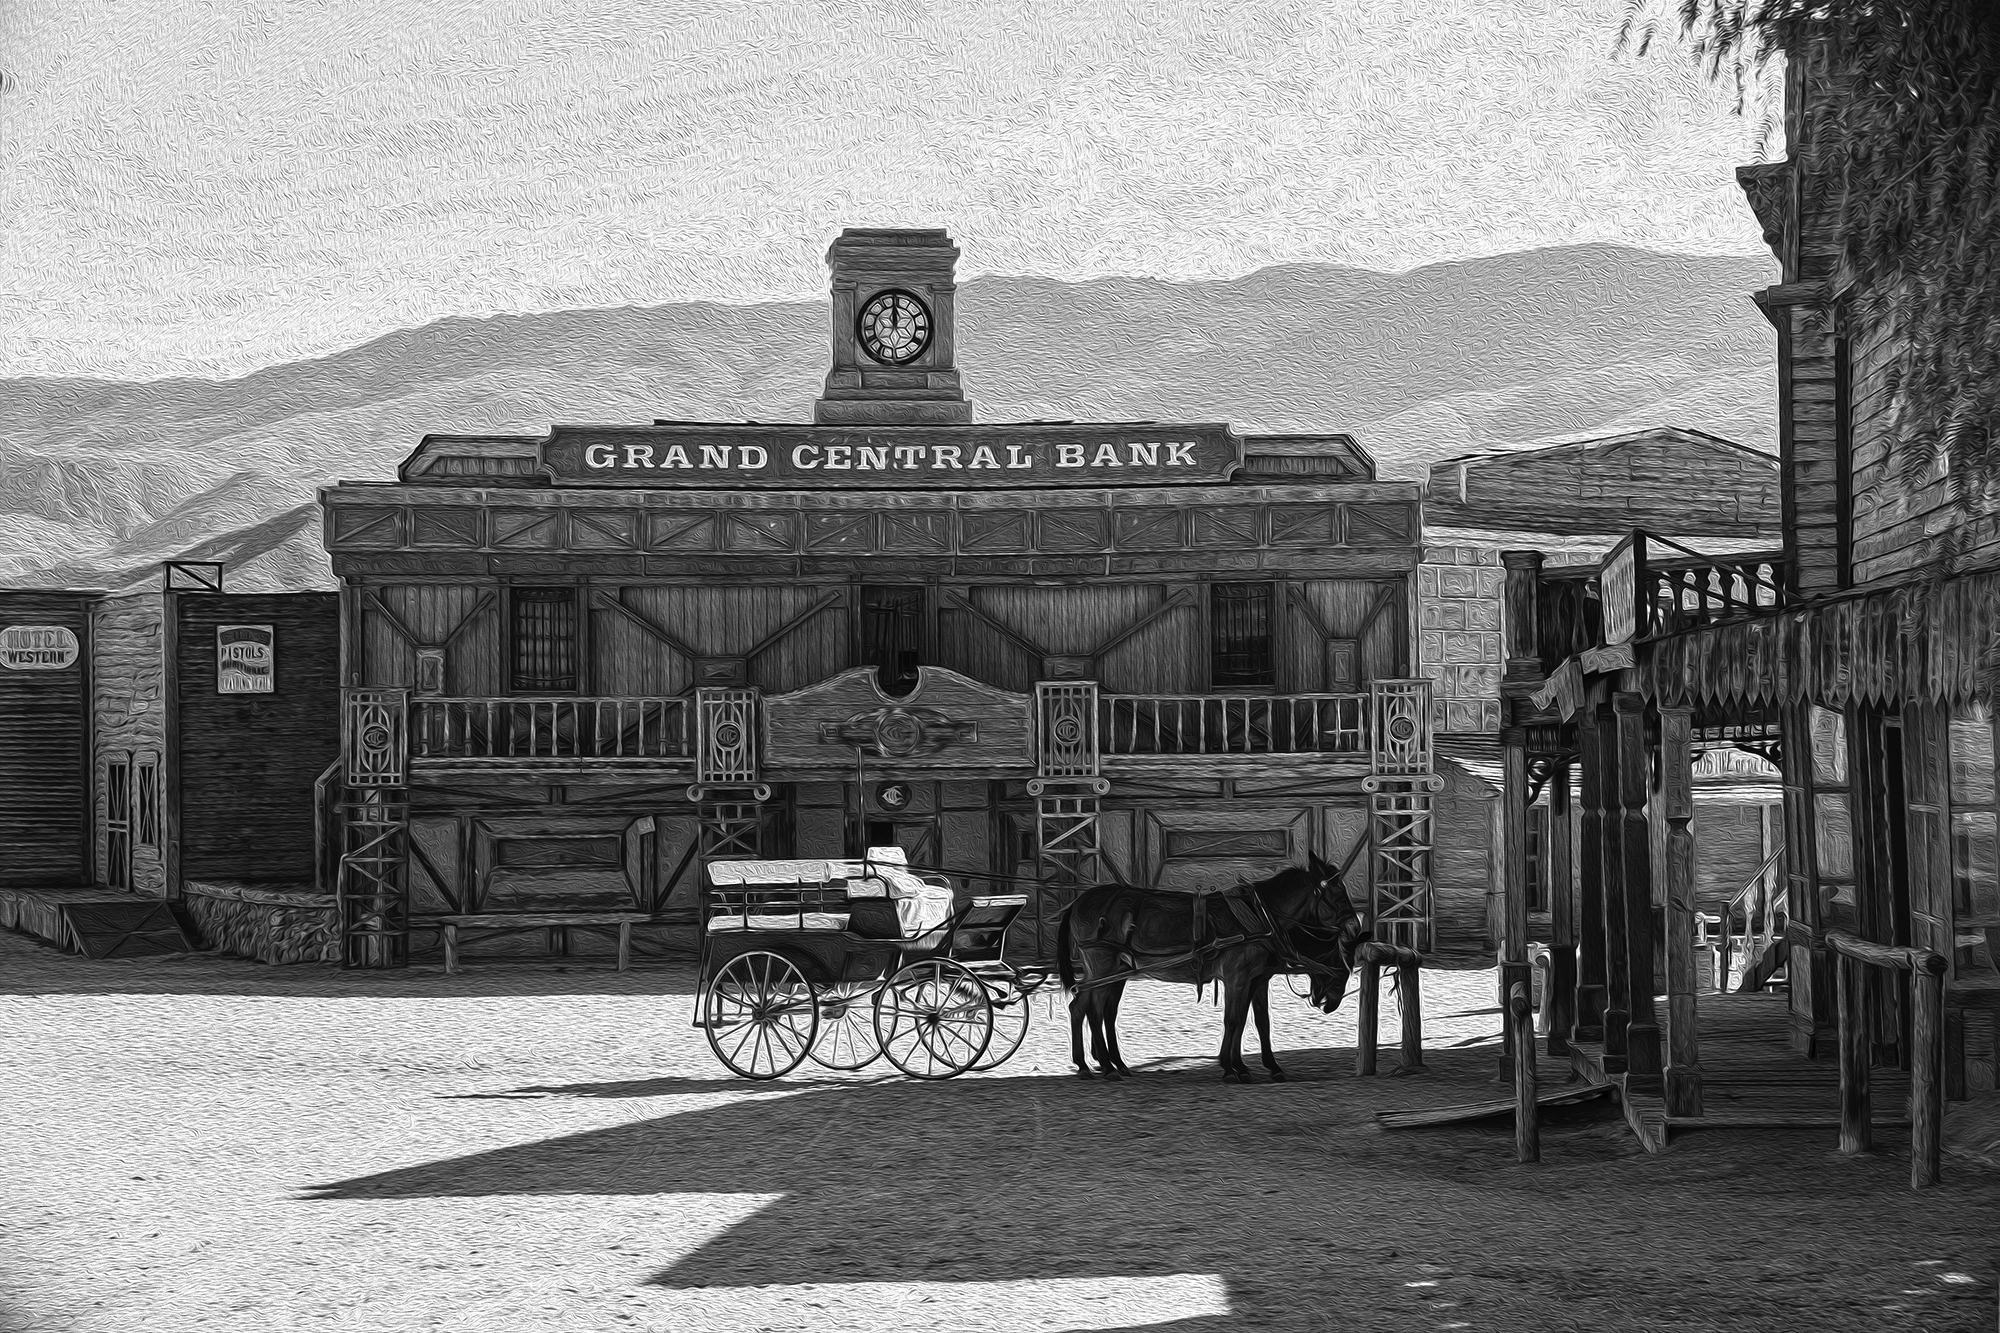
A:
1260, 1005
1235, 1011
1111, 1003
1100, 1020
1079, 1004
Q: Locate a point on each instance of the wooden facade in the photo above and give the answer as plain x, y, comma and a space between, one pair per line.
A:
552, 648
131, 768
45, 713
1864, 675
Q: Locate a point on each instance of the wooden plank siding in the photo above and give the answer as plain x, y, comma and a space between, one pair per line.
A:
1811, 451
130, 717
247, 762
45, 826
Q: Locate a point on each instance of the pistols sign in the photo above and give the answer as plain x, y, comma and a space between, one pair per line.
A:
245, 659
37, 648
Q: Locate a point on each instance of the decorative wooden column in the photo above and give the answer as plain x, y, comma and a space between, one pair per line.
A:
1562, 914
1683, 1075
1643, 1063
1590, 882
1522, 593
1514, 965
1617, 954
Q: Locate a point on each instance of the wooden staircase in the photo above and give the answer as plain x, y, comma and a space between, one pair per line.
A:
1759, 943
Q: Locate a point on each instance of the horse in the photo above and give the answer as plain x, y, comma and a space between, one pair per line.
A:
1299, 919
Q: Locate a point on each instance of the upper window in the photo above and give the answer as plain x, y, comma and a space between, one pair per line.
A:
545, 652
1239, 619
892, 621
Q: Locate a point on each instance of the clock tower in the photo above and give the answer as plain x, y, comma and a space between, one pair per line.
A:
893, 341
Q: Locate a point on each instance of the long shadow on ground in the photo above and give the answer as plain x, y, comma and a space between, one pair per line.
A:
1315, 1217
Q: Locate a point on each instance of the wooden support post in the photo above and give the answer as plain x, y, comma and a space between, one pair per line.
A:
1561, 994
1527, 1108
1367, 1016
1644, 1066
1617, 955
1410, 1000
450, 947
624, 945
1683, 1076
1856, 1134
1514, 880
1590, 883
1926, 1061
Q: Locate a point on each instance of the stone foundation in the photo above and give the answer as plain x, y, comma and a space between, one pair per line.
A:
265, 922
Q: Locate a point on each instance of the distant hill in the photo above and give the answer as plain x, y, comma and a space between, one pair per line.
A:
100, 480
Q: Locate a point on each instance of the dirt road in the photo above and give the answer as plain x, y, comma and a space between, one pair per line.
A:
202, 1144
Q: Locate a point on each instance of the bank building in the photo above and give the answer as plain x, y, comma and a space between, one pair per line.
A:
577, 666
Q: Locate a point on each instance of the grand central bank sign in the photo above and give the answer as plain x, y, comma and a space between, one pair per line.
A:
902, 457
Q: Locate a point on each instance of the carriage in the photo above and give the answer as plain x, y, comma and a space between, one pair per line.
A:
845, 961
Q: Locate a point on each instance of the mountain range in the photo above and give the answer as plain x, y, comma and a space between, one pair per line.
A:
100, 480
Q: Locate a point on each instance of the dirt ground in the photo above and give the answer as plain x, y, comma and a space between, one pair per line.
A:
198, 1143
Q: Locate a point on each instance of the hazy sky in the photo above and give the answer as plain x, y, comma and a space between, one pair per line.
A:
208, 186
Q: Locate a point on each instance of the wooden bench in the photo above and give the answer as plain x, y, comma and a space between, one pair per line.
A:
488, 925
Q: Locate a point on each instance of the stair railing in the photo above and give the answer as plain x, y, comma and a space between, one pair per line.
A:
1762, 895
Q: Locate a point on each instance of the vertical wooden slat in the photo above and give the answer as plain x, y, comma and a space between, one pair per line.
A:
1520, 1012
1643, 1063
1856, 1133
1562, 921
1683, 1075
1590, 993
1926, 1088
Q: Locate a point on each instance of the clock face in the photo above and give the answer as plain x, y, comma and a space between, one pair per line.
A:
894, 327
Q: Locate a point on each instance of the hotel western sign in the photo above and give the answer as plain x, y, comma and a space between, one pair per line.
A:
37, 648
898, 457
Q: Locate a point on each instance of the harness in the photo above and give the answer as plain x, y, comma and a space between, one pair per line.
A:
1254, 920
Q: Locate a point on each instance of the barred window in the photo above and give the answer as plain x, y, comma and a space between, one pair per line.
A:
1239, 617
544, 640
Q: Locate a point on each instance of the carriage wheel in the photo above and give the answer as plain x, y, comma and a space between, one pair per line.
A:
934, 1019
1010, 1021
761, 1015
847, 1026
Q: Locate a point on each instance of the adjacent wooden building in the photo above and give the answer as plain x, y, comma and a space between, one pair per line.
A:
576, 665
1844, 656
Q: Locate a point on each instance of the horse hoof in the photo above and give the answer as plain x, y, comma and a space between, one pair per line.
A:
1277, 1076
1110, 1074
1081, 1072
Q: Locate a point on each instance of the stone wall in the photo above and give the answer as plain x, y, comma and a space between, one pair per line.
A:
268, 924
1459, 644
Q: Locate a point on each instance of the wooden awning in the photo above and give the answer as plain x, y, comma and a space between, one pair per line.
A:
1916, 642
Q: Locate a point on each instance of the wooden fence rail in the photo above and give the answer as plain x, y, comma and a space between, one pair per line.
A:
1372, 957
1926, 972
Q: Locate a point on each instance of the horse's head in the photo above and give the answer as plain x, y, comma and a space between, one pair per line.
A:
1331, 931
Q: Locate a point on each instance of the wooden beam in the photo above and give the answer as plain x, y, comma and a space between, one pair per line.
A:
1180, 598
775, 636
1683, 1073
1611, 880
1561, 999
1299, 600
609, 603
485, 600
959, 602
1514, 967
395, 621
1643, 1063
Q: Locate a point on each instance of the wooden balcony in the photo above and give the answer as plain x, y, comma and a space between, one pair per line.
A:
1651, 586
1297, 724
622, 732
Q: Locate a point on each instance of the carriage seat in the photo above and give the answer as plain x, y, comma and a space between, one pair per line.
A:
920, 905
779, 921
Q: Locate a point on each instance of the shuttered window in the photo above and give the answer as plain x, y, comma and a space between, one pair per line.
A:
544, 640
149, 806
1239, 618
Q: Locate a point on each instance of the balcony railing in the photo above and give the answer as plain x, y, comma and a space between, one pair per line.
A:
1129, 724
596, 729
1569, 617
1652, 586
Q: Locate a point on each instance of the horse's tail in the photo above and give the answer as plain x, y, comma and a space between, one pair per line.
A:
1065, 969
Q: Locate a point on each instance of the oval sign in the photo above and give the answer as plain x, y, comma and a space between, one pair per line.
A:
37, 648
